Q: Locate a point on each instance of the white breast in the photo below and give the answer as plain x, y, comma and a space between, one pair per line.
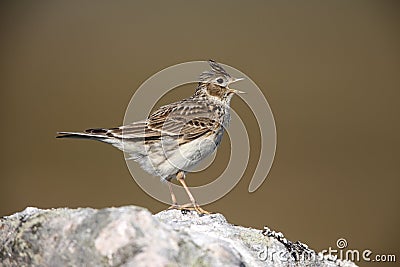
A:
165, 159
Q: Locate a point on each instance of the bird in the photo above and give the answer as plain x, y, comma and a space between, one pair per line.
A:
176, 137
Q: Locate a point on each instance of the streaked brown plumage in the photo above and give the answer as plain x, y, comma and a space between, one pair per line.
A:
177, 136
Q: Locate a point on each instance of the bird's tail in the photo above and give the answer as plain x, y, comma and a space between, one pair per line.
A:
94, 134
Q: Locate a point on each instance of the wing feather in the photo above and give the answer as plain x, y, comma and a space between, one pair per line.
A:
186, 121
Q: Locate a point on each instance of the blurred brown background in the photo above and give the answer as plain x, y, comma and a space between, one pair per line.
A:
329, 69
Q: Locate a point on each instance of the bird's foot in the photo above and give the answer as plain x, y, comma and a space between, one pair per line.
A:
201, 211
175, 206
189, 207
196, 207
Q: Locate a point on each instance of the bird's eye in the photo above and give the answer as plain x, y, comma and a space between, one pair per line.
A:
220, 80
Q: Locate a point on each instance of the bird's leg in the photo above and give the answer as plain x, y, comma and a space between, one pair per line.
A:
181, 178
173, 197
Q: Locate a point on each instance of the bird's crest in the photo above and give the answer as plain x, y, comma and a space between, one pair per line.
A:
216, 70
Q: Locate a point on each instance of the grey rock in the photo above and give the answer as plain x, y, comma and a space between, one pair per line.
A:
132, 236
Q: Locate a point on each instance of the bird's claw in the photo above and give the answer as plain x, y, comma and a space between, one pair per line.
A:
190, 206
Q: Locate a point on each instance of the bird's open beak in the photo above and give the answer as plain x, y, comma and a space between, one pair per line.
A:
234, 90
237, 79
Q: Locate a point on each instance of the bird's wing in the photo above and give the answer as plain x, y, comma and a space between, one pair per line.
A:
184, 121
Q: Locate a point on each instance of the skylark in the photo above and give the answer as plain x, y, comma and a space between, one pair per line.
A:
172, 140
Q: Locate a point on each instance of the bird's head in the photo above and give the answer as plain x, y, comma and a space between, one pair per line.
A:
215, 83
